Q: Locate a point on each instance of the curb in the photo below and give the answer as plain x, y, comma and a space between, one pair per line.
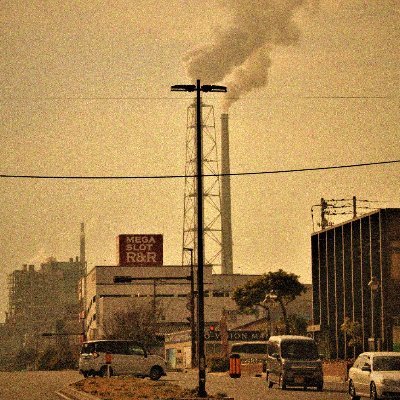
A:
74, 394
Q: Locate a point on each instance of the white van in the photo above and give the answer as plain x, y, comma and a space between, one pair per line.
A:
119, 357
251, 352
294, 361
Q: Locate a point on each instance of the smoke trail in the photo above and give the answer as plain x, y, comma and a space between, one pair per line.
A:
240, 56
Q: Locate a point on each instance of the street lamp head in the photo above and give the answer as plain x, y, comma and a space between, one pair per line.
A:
213, 88
273, 296
270, 297
374, 283
183, 88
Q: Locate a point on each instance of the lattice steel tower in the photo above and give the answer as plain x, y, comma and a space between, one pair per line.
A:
211, 190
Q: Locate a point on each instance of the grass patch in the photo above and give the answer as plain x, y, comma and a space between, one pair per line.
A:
129, 388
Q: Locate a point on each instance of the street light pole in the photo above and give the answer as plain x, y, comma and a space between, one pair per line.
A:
200, 230
374, 285
192, 322
269, 300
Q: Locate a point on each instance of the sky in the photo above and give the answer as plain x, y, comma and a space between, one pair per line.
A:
85, 91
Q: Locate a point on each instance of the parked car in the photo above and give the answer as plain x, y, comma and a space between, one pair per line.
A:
119, 357
251, 352
294, 361
375, 375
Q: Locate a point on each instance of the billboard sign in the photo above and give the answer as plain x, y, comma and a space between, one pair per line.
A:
140, 250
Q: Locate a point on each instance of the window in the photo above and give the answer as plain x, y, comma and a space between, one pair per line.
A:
88, 348
360, 362
252, 348
134, 349
387, 363
300, 350
272, 348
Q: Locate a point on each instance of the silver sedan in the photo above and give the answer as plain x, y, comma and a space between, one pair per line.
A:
375, 375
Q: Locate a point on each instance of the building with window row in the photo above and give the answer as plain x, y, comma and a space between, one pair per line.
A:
356, 278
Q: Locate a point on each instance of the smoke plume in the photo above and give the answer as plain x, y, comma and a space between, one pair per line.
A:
240, 56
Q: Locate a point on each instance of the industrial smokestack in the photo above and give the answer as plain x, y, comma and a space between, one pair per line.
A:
226, 220
240, 56
83, 246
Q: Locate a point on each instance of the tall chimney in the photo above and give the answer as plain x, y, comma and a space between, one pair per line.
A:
83, 246
226, 221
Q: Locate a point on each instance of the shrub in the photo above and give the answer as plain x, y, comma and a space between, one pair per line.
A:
219, 364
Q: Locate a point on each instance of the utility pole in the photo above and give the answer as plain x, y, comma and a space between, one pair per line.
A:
324, 206
354, 207
200, 221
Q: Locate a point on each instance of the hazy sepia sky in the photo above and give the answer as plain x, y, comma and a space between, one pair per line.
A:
85, 90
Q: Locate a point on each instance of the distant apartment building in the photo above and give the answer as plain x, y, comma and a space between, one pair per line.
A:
356, 275
44, 300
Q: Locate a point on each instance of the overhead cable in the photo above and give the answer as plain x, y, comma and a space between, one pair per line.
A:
282, 171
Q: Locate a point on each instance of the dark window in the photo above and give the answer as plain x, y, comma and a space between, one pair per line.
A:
251, 348
87, 348
272, 348
299, 350
112, 347
134, 349
387, 363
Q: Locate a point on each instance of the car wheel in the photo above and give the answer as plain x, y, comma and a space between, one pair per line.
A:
103, 371
85, 374
352, 391
156, 373
372, 392
282, 383
269, 382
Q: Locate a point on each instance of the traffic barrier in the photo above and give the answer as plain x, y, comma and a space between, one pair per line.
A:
234, 366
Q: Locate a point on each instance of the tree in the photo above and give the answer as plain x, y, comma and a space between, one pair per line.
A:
285, 286
353, 330
135, 322
297, 325
25, 358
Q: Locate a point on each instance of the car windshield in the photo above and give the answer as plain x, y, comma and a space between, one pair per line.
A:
387, 363
299, 350
88, 348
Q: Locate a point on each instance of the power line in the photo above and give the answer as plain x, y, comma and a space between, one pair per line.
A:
282, 171
102, 98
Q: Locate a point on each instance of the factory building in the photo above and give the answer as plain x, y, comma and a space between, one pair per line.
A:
156, 285
105, 298
356, 276
44, 300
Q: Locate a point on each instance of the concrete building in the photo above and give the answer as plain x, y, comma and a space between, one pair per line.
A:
346, 260
104, 298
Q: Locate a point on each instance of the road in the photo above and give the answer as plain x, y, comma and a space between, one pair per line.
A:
255, 388
35, 385
42, 385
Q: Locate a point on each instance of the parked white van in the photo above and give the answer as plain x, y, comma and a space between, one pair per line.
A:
294, 361
119, 357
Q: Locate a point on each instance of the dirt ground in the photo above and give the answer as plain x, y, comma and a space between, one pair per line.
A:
128, 388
